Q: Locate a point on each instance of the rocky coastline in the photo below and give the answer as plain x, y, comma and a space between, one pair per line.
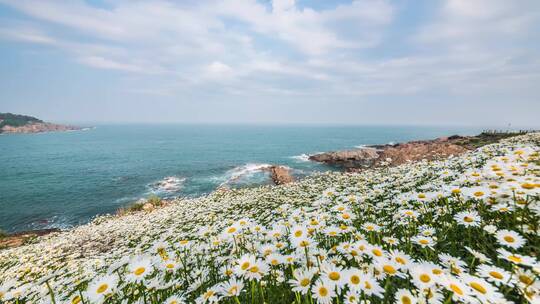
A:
37, 127
397, 154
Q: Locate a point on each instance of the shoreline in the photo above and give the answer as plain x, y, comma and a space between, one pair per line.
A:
280, 174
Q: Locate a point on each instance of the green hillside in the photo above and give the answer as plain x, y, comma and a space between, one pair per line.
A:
14, 120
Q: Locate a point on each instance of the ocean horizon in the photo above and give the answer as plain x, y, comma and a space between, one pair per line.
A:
64, 179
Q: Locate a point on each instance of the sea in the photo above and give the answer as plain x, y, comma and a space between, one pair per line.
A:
64, 179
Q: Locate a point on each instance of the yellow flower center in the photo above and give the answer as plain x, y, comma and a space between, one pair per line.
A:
346, 216
456, 191
334, 275
170, 266
377, 252
232, 290
515, 259
527, 186
304, 282
389, 269
75, 300
400, 260
468, 219
298, 233
478, 287
496, 275
525, 279
208, 294
456, 289
139, 271
231, 230
355, 279
323, 291
254, 269
425, 278
423, 242
437, 271
421, 195
245, 265
478, 193
102, 288
406, 300
509, 238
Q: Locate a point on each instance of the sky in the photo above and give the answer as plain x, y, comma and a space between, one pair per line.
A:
417, 62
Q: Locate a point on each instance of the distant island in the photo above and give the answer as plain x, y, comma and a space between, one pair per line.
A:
14, 123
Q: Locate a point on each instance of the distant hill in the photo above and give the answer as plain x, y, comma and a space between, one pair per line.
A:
15, 123
15, 120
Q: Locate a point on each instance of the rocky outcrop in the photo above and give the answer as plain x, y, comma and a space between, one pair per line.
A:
37, 127
377, 155
419, 150
358, 158
280, 174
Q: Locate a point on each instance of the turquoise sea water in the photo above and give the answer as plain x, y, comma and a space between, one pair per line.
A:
64, 179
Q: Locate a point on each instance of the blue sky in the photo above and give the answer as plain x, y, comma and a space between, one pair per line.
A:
459, 62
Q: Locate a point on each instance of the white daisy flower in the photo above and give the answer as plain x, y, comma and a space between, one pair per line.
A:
101, 288
468, 218
404, 296
323, 292
231, 288
510, 239
302, 280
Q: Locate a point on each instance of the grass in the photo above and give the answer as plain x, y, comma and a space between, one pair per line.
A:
151, 203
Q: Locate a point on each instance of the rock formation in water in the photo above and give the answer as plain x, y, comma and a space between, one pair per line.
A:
358, 158
280, 175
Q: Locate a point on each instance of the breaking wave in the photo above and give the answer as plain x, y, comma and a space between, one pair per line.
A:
244, 174
301, 157
169, 184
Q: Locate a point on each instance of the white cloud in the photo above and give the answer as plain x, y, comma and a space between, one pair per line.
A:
251, 47
103, 63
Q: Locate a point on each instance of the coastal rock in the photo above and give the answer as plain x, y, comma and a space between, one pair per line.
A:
358, 158
416, 151
20, 238
37, 127
280, 175
395, 154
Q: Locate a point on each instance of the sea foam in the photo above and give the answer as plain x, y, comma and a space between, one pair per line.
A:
169, 184
242, 174
301, 157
